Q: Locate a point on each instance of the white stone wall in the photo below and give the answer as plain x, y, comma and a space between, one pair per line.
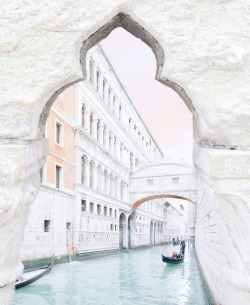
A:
222, 226
206, 47
57, 207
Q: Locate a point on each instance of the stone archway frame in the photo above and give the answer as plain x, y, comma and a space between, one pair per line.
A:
145, 199
134, 28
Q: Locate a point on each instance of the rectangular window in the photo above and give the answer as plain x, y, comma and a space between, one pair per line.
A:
98, 209
110, 212
111, 227
115, 227
175, 180
83, 205
115, 213
58, 176
68, 226
91, 207
150, 182
59, 133
46, 225
105, 211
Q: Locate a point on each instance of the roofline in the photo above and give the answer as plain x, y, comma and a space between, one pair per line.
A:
101, 48
160, 164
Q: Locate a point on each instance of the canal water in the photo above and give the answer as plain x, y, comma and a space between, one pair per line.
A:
134, 277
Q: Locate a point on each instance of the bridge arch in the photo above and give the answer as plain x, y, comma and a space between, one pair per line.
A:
136, 204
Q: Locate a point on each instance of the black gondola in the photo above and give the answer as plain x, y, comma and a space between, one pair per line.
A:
172, 260
31, 275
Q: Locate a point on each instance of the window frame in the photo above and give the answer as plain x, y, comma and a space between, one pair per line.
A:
59, 123
57, 165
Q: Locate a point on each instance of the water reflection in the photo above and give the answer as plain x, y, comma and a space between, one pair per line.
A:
136, 277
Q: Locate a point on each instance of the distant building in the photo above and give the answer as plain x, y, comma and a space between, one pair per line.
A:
96, 139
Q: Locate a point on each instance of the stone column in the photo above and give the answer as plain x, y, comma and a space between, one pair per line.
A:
19, 185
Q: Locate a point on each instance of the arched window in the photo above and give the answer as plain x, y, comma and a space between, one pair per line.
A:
91, 71
83, 114
122, 189
104, 89
110, 139
97, 81
111, 181
115, 187
105, 184
91, 174
109, 96
83, 169
91, 123
121, 151
114, 103
98, 130
99, 178
120, 112
104, 135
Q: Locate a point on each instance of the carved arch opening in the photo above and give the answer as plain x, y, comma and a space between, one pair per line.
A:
134, 28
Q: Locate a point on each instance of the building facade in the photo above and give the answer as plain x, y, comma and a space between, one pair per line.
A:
97, 139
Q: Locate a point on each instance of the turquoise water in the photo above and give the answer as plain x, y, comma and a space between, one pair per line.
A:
133, 277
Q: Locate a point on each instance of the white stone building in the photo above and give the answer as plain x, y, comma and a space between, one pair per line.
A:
111, 141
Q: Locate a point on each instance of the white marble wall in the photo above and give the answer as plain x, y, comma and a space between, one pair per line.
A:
206, 64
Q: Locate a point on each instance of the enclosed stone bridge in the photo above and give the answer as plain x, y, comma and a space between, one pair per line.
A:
163, 180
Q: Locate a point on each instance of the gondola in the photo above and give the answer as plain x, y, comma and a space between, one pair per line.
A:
172, 260
176, 242
31, 275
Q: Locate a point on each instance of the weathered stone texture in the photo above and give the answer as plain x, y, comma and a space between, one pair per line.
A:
206, 48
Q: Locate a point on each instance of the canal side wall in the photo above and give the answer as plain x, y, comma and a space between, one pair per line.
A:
222, 223
46, 230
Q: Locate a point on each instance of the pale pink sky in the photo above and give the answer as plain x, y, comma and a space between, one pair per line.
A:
166, 115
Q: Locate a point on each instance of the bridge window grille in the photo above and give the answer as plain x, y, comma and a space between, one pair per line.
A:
150, 182
175, 180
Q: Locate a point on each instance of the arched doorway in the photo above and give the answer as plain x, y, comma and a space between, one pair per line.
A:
151, 233
130, 231
122, 228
